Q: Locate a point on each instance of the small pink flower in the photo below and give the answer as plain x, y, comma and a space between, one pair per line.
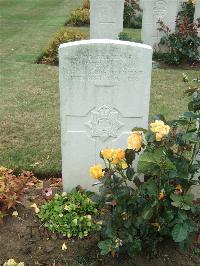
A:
114, 203
47, 193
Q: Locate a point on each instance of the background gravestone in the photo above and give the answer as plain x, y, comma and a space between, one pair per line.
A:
153, 11
104, 93
197, 13
106, 18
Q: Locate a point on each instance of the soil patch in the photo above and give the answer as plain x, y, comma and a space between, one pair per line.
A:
23, 238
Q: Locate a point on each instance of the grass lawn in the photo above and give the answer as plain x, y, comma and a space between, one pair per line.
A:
29, 102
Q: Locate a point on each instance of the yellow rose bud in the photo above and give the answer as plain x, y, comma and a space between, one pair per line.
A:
178, 189
107, 154
161, 195
124, 165
160, 129
135, 141
115, 161
157, 225
96, 171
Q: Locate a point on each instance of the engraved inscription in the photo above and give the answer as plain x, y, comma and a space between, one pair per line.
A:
159, 9
104, 122
108, 64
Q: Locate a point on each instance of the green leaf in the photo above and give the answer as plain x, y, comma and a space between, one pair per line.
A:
179, 121
147, 213
188, 198
182, 202
137, 181
139, 129
185, 207
191, 136
130, 173
180, 232
176, 198
176, 204
151, 187
130, 156
150, 161
105, 246
190, 115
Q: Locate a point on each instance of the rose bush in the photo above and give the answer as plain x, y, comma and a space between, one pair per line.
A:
181, 46
139, 214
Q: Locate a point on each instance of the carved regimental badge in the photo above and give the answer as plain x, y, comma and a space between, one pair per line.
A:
104, 122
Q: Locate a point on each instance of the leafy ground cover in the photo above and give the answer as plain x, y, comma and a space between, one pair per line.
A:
29, 102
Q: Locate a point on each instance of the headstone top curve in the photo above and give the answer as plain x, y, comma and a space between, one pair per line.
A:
105, 41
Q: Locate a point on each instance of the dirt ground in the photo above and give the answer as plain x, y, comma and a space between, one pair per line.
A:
24, 239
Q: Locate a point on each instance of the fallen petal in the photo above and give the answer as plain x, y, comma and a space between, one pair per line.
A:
15, 214
36, 209
64, 247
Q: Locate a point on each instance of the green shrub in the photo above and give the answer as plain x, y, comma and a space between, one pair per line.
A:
132, 18
139, 215
187, 11
79, 17
181, 45
136, 22
124, 36
71, 214
65, 35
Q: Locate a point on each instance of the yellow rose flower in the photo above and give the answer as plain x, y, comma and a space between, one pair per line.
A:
160, 129
135, 141
118, 156
107, 154
96, 171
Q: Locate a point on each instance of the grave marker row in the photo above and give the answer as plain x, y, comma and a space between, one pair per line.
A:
106, 18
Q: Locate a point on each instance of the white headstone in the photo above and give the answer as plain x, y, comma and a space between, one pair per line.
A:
197, 13
106, 18
153, 11
104, 93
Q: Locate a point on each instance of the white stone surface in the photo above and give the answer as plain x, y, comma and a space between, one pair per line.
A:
196, 189
104, 93
141, 3
153, 10
197, 13
106, 19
